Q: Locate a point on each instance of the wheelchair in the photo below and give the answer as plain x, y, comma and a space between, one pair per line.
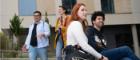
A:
71, 53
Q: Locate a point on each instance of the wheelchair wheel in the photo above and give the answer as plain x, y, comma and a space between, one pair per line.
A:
78, 58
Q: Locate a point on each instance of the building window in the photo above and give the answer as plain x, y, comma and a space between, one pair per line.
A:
107, 6
27, 7
68, 4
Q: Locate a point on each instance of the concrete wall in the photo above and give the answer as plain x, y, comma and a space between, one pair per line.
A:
89, 5
135, 6
0, 14
29, 19
118, 19
46, 5
122, 6
8, 9
126, 11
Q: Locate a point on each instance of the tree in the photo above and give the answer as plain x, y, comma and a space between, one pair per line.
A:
4, 41
46, 18
16, 28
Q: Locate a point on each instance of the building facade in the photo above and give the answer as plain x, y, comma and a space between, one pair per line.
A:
122, 16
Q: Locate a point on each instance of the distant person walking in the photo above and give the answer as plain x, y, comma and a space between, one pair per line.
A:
60, 29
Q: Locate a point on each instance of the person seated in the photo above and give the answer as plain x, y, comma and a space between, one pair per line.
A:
96, 40
77, 41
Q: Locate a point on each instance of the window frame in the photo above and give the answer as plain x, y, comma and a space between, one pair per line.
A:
109, 4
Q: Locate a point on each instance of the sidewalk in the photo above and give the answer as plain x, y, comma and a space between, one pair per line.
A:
22, 59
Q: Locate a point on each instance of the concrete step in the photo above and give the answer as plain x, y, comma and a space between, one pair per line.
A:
23, 59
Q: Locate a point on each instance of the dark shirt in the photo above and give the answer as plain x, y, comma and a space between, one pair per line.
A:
34, 37
91, 32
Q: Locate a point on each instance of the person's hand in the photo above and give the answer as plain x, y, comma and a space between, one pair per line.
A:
24, 48
60, 25
103, 58
40, 35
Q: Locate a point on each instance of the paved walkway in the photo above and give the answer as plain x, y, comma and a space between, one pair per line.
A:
21, 59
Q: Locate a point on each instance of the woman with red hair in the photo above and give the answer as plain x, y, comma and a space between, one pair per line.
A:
76, 38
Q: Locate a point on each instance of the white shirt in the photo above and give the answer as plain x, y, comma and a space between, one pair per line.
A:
76, 35
42, 27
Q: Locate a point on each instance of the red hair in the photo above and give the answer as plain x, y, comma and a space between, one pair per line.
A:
75, 17
74, 12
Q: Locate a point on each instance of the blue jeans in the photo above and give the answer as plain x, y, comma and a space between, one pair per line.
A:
38, 52
59, 46
121, 53
126, 58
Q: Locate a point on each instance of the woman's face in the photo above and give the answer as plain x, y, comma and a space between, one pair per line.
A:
61, 11
82, 12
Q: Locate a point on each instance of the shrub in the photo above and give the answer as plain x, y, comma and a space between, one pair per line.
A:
4, 41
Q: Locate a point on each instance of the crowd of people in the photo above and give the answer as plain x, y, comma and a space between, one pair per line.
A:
73, 38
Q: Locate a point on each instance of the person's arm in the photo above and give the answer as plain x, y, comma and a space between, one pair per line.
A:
46, 29
27, 41
24, 49
63, 28
82, 40
27, 38
25, 46
57, 25
90, 35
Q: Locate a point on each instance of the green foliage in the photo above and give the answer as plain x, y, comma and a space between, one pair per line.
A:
15, 25
46, 18
6, 46
10, 54
4, 41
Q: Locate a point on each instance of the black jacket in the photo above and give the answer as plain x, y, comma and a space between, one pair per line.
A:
91, 32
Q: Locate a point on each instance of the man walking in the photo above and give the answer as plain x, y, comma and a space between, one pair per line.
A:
37, 39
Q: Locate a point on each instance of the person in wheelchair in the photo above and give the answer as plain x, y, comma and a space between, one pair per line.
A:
77, 42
